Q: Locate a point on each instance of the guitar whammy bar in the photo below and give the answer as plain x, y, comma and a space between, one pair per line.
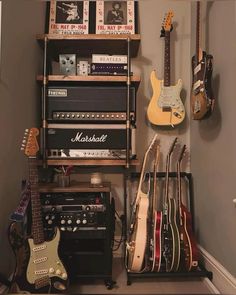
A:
171, 247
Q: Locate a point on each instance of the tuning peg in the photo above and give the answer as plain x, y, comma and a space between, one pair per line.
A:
24, 140
22, 149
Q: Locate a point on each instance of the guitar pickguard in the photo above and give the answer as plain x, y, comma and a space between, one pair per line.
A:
169, 98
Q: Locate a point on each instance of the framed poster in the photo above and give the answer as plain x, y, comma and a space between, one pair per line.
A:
68, 17
115, 17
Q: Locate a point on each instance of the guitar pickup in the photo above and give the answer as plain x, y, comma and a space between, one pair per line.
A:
40, 260
41, 272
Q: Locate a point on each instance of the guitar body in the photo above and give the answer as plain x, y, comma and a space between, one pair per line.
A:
156, 253
21, 249
193, 249
202, 94
138, 238
175, 236
44, 260
185, 244
165, 107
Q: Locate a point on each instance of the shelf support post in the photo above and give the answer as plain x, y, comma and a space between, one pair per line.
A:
44, 118
128, 105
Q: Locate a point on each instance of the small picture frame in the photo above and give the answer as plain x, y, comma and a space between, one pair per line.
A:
68, 17
116, 17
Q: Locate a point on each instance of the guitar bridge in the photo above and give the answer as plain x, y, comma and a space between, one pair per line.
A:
166, 109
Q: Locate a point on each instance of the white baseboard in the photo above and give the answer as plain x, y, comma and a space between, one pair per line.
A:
223, 281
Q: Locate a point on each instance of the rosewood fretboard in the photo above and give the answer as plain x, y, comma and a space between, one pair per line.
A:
37, 223
167, 59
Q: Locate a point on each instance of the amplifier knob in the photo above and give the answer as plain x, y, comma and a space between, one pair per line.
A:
78, 115
68, 115
112, 116
78, 221
46, 217
69, 221
117, 116
58, 115
93, 116
87, 208
84, 221
83, 115
73, 115
103, 116
49, 221
63, 228
63, 221
98, 116
63, 115
88, 116
108, 116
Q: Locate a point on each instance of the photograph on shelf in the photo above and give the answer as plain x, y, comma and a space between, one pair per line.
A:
116, 17
68, 17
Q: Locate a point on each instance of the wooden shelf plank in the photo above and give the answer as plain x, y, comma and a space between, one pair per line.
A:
85, 45
89, 162
90, 78
75, 187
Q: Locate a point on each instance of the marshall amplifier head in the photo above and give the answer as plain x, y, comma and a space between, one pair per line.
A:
89, 141
89, 104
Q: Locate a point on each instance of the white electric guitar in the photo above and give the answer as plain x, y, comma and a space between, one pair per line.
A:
137, 241
166, 107
43, 270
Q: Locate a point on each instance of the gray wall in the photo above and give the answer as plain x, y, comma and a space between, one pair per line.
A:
213, 142
19, 100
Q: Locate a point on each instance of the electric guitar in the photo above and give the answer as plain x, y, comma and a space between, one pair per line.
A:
38, 267
166, 107
188, 245
170, 242
202, 100
155, 256
137, 240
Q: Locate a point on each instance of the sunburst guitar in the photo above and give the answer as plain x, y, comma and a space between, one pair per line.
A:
166, 107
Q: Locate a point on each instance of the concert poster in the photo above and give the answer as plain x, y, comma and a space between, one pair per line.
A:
69, 17
115, 17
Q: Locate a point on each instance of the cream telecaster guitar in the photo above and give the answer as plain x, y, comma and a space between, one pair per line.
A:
42, 271
137, 241
166, 107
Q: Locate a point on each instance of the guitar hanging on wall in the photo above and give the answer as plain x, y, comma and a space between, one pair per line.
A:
38, 267
202, 100
166, 107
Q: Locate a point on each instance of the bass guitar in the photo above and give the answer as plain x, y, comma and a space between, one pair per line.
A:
202, 100
155, 255
188, 245
166, 107
38, 267
137, 240
170, 243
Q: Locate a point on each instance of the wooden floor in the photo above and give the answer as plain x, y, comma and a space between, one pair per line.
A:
147, 286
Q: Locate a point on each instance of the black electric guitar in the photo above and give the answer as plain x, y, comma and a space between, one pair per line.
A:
38, 267
170, 234
202, 100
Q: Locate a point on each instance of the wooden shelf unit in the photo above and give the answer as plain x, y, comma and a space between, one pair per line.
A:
90, 78
85, 45
89, 162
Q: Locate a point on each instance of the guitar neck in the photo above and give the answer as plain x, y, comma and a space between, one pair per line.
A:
37, 223
198, 33
179, 187
166, 196
167, 59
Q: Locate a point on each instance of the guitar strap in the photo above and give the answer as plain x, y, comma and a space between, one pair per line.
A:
20, 212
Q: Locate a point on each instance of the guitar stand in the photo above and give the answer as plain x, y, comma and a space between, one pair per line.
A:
201, 270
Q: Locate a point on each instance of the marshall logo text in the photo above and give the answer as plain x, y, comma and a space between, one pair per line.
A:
80, 138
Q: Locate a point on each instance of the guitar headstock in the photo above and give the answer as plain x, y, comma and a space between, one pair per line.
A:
172, 146
183, 150
167, 23
29, 144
